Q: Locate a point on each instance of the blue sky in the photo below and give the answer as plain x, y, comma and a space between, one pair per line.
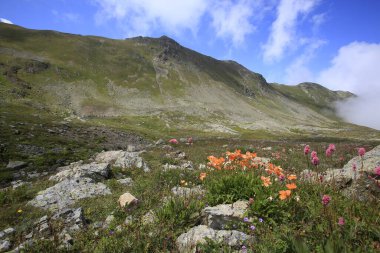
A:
288, 41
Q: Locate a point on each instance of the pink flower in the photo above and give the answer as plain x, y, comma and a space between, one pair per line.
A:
315, 160
329, 152
190, 140
281, 177
361, 151
173, 141
326, 200
313, 154
354, 166
306, 150
341, 221
332, 147
377, 170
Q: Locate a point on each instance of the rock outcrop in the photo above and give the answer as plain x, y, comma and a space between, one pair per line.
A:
188, 241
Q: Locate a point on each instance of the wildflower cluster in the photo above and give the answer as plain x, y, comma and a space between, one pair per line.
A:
266, 171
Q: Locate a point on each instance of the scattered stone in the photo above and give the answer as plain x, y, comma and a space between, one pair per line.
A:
5, 245
126, 181
67, 192
9, 231
187, 192
131, 148
217, 217
42, 227
187, 165
128, 220
29, 236
97, 224
66, 240
96, 171
261, 160
119, 228
13, 165
108, 221
167, 147
188, 241
159, 142
17, 183
127, 200
20, 247
267, 148
73, 218
148, 218
202, 166
2, 234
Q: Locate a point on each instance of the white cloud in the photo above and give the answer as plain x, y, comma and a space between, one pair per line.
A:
232, 20
298, 71
3, 20
356, 68
283, 30
141, 17
66, 16
229, 20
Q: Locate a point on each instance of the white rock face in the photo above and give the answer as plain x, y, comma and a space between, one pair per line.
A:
123, 159
5, 245
68, 191
187, 242
217, 217
96, 171
127, 200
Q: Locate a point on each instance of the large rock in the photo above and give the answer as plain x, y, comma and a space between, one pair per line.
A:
5, 245
96, 171
217, 217
127, 200
187, 242
67, 192
13, 165
123, 159
352, 182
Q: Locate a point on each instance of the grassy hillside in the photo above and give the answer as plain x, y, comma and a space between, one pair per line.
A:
154, 81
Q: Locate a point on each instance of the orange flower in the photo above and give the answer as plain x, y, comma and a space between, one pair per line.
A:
215, 162
291, 186
285, 194
292, 177
266, 181
202, 176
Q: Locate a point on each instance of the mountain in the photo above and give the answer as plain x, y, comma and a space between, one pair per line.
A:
154, 83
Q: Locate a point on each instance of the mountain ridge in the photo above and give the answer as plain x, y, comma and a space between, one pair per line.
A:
91, 76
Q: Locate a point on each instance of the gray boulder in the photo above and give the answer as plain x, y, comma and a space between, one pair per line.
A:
13, 165
73, 218
126, 181
187, 242
5, 245
123, 159
217, 217
67, 192
96, 171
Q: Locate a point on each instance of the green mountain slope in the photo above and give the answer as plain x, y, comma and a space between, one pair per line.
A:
152, 80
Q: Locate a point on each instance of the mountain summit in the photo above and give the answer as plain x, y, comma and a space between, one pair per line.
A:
157, 78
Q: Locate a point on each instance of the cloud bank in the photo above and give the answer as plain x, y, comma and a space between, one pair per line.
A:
356, 68
230, 20
3, 20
